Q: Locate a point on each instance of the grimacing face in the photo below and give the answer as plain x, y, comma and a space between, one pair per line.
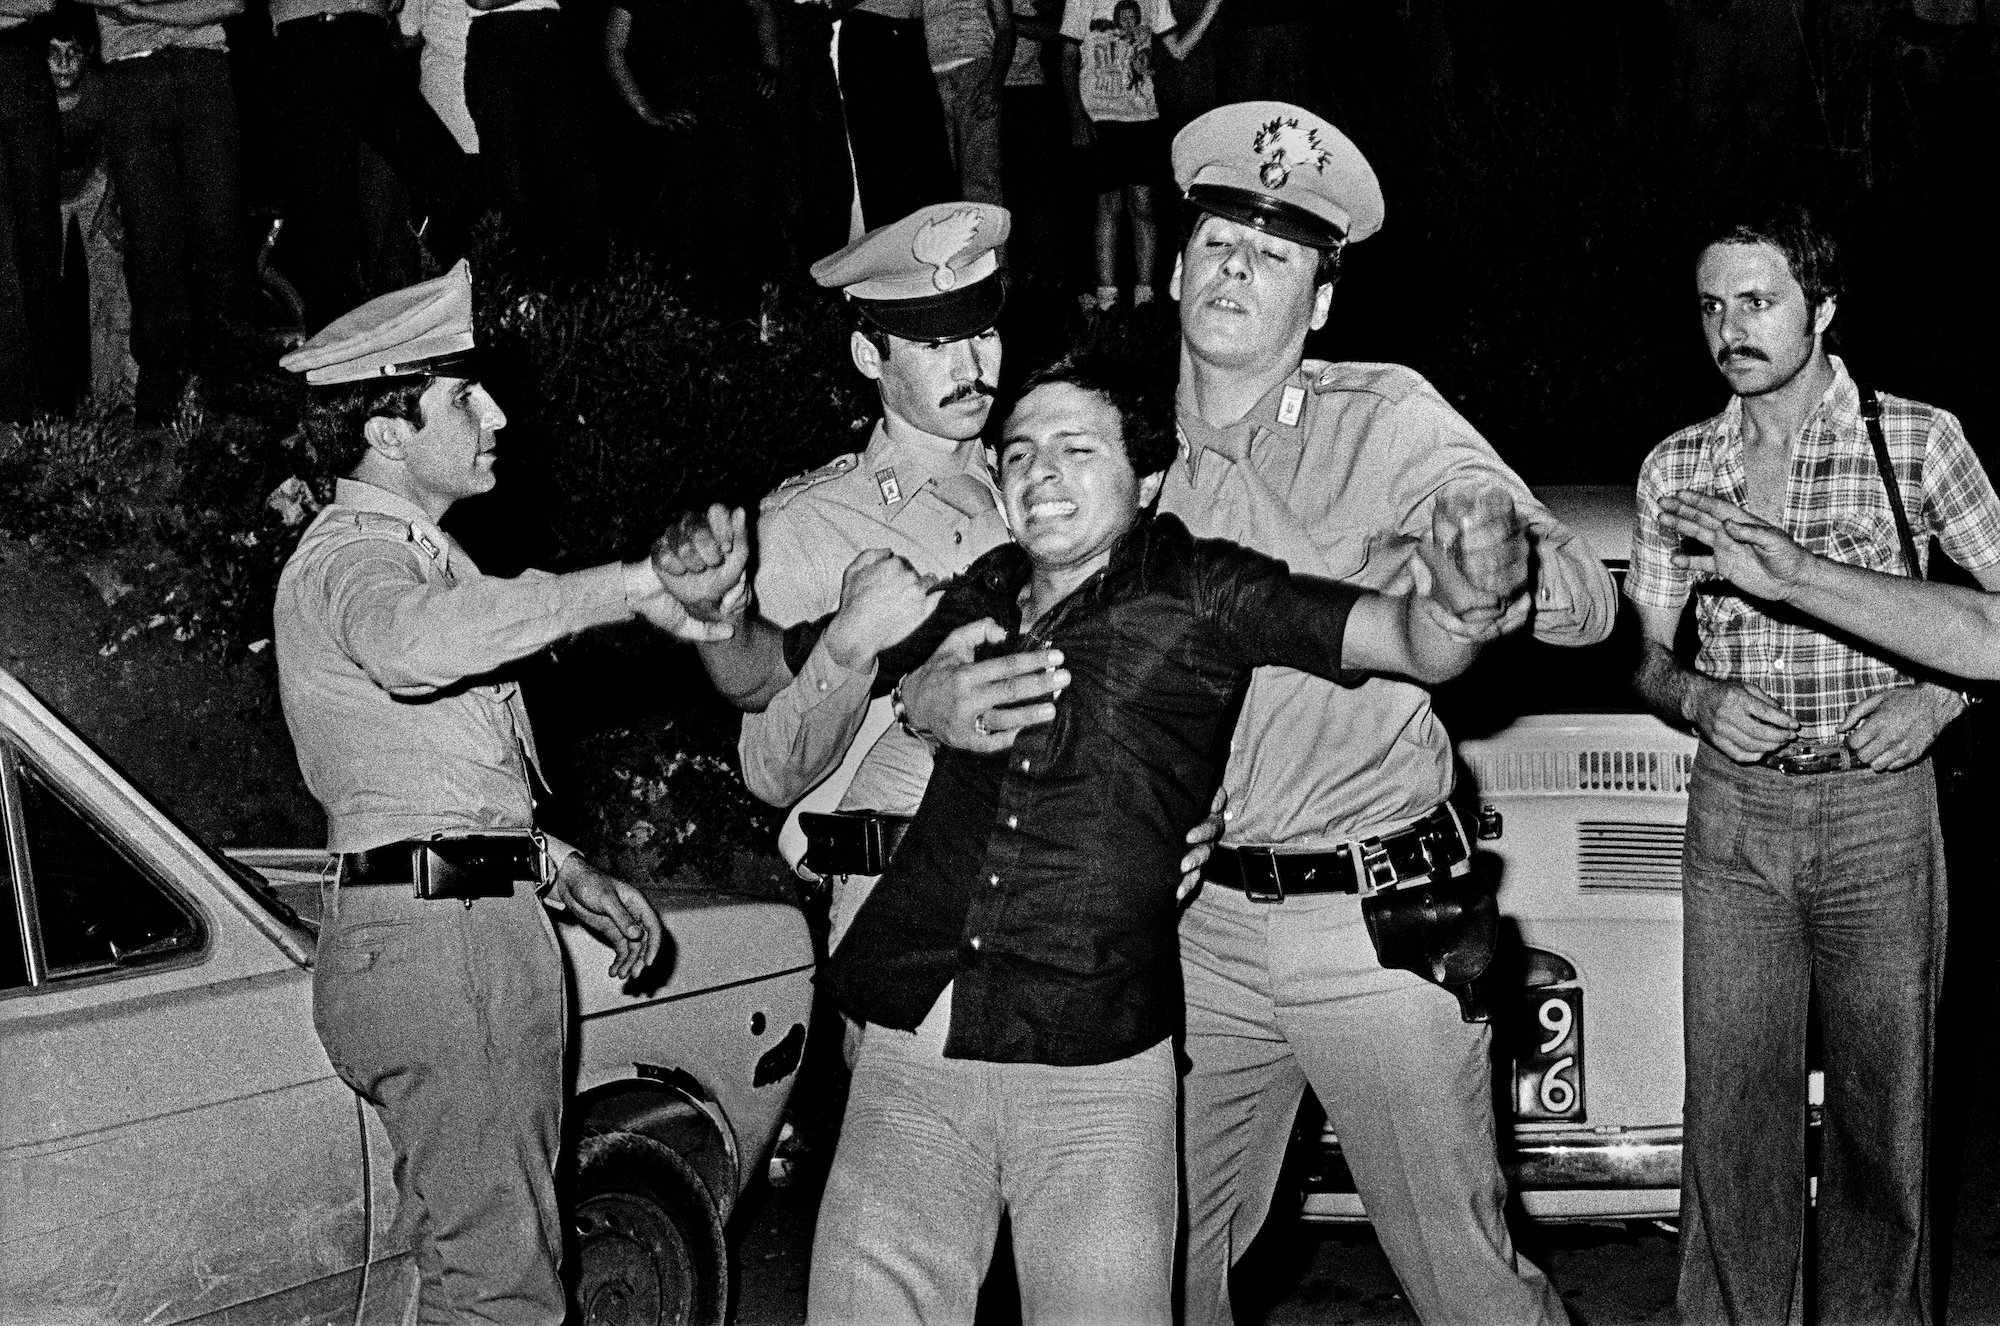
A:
944, 388
1754, 316
1067, 485
1246, 297
451, 456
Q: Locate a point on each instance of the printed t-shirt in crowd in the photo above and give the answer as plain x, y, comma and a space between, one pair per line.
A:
1116, 80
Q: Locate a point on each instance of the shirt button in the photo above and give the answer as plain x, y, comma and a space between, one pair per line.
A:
994, 880
958, 537
1013, 821
975, 943
823, 685
1025, 765
1778, 663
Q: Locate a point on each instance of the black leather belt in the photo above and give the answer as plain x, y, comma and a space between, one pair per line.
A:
468, 866
1814, 757
851, 842
1434, 848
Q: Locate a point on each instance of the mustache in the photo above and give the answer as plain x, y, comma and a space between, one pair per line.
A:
966, 392
1724, 355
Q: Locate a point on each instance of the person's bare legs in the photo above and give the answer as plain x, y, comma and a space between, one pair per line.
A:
1139, 206
1110, 204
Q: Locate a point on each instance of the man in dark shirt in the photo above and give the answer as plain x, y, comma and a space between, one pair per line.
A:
1017, 964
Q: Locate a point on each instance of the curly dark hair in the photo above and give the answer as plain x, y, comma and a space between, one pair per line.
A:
334, 417
1788, 227
1144, 402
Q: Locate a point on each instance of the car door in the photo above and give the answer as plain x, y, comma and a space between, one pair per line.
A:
173, 1142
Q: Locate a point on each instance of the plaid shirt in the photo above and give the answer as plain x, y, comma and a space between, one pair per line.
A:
1836, 506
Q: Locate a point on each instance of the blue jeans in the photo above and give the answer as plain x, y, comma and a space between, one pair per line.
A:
1829, 885
932, 1150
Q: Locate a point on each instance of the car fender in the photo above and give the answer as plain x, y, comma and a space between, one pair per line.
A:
669, 1106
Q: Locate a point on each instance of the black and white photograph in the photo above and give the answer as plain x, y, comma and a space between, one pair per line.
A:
967, 662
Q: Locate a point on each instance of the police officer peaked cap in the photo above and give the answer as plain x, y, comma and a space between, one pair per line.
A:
933, 276
1281, 169
420, 330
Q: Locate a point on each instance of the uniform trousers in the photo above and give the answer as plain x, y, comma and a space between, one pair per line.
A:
1286, 994
450, 1021
1828, 885
934, 1150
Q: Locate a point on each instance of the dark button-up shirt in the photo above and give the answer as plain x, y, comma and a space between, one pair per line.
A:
1039, 881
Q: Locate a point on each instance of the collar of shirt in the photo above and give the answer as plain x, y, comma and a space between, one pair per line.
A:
1003, 572
424, 532
1837, 412
1280, 414
915, 464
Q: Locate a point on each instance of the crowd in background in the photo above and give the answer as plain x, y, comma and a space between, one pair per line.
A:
148, 148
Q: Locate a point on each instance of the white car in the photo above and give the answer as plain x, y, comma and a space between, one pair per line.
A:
1581, 804
174, 1146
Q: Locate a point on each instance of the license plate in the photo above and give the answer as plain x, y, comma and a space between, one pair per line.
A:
1548, 1057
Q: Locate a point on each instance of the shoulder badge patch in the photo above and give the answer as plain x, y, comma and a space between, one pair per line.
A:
800, 483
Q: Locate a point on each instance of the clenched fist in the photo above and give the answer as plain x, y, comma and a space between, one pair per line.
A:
882, 600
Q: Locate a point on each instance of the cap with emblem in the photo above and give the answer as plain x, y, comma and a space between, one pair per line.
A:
933, 276
423, 329
1281, 169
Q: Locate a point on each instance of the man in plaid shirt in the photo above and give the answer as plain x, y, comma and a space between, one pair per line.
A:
1813, 860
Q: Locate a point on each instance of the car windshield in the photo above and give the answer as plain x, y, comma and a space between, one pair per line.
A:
1521, 677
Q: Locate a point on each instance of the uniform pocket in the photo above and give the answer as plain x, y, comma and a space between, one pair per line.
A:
362, 948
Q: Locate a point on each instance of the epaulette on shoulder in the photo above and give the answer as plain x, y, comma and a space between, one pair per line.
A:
1392, 382
790, 489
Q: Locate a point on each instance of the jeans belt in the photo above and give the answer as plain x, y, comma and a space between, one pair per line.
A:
851, 842
1431, 849
449, 865
1814, 757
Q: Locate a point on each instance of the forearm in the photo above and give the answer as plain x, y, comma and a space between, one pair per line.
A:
1947, 627
1576, 601
748, 669
1072, 78
416, 638
181, 13
770, 33
802, 735
1435, 655
25, 8
1664, 686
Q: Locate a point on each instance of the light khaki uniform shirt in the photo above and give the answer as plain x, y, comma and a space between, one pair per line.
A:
388, 642
940, 511
1342, 485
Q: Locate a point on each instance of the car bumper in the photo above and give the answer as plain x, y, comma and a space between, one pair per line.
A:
1633, 1174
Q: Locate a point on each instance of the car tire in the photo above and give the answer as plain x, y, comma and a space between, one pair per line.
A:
650, 1250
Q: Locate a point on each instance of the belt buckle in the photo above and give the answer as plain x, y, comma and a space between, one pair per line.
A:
1820, 759
1373, 870
1267, 859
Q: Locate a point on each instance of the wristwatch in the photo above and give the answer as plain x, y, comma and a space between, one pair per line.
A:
902, 713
